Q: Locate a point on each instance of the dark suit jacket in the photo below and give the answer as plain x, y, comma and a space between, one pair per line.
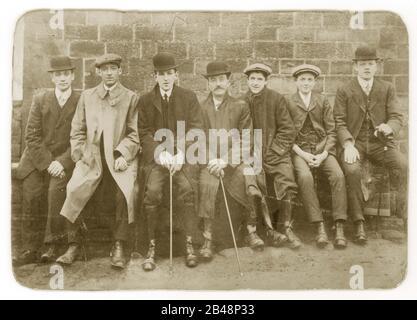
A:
47, 133
350, 107
321, 116
278, 132
185, 106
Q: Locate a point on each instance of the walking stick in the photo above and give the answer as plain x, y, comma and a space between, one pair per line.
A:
231, 225
170, 223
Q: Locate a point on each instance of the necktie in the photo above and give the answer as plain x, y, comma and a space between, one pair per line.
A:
367, 87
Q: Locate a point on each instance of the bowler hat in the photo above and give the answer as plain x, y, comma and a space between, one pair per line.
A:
216, 68
60, 63
365, 53
164, 61
108, 58
258, 67
306, 68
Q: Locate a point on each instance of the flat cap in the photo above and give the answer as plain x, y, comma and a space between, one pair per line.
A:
108, 58
306, 68
260, 67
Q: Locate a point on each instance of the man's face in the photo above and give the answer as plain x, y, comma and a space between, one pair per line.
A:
256, 82
305, 82
166, 79
62, 79
366, 69
218, 84
109, 73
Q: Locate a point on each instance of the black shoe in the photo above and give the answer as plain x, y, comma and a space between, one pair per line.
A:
340, 241
321, 238
49, 255
70, 255
360, 236
149, 263
255, 242
191, 259
117, 257
26, 257
275, 238
206, 251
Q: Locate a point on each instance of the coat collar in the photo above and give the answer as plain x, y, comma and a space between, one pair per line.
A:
210, 109
295, 97
114, 93
372, 95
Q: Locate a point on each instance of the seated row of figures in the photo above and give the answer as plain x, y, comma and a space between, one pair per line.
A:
75, 143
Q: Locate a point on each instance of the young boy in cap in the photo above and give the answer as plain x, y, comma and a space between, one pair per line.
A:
104, 144
221, 111
46, 165
166, 108
270, 113
367, 121
314, 151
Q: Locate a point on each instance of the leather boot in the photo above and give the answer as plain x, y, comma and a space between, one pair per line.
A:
340, 241
117, 257
286, 209
321, 238
70, 255
254, 241
360, 236
275, 238
206, 251
149, 263
191, 259
49, 255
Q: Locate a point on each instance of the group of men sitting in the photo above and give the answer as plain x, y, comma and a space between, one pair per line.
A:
78, 144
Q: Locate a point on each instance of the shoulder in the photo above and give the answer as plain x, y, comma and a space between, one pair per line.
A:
89, 92
183, 92
40, 94
385, 85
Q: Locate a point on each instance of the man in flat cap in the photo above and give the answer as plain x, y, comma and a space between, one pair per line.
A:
173, 111
221, 112
104, 144
270, 113
46, 164
314, 151
368, 120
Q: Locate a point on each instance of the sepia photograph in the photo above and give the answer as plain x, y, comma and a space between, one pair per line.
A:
209, 150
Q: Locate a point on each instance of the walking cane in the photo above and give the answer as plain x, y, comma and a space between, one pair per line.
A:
170, 223
231, 225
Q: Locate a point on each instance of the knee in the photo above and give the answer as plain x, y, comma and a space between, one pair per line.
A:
337, 177
305, 177
352, 170
153, 195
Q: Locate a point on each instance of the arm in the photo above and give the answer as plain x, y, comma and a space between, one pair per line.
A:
285, 136
38, 152
78, 131
129, 145
329, 126
145, 131
340, 114
394, 117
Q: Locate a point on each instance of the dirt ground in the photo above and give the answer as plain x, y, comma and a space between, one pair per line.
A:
384, 264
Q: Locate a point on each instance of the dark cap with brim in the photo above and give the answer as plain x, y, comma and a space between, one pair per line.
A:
60, 63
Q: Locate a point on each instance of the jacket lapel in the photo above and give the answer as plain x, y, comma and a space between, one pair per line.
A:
375, 90
156, 99
209, 106
52, 105
298, 102
359, 94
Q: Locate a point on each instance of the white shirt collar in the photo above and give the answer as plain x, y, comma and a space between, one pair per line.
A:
363, 83
306, 98
217, 103
62, 96
168, 93
111, 88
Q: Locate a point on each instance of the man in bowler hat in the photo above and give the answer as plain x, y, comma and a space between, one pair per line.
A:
46, 164
161, 110
368, 120
221, 111
104, 144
